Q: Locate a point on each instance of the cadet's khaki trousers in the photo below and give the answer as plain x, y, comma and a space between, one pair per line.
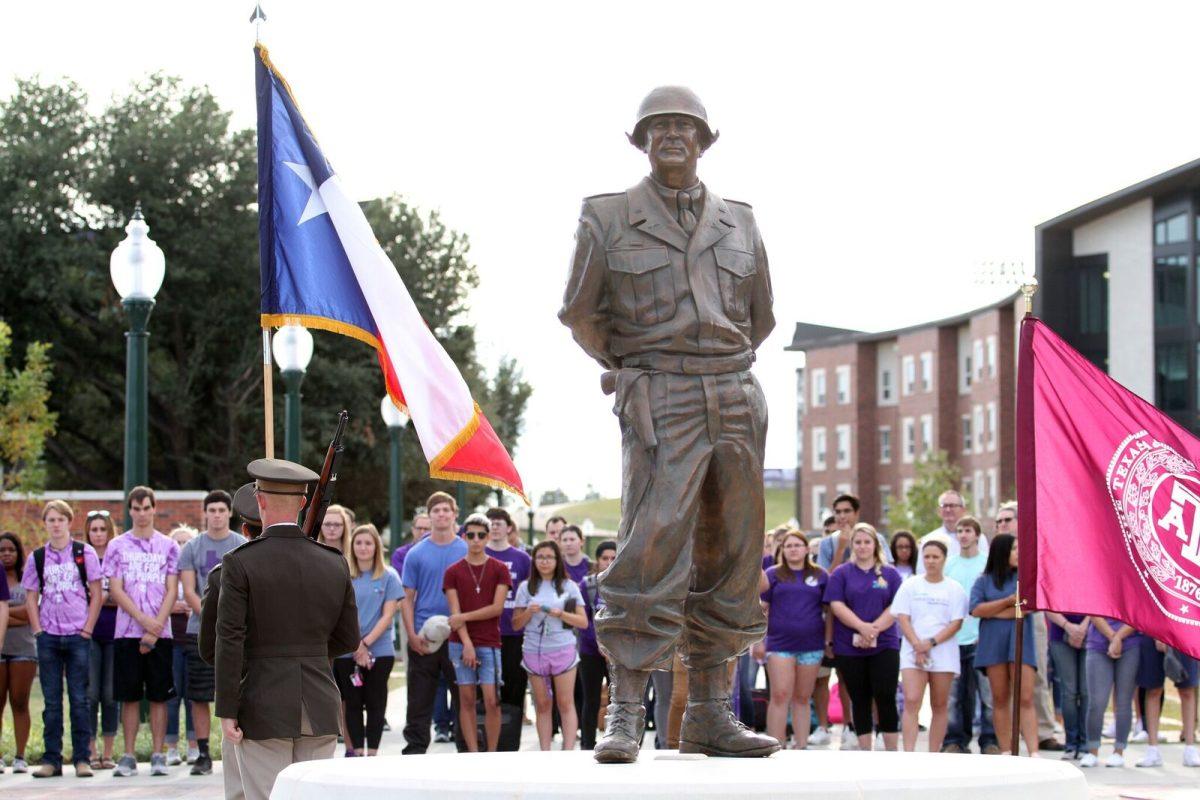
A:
261, 760
231, 773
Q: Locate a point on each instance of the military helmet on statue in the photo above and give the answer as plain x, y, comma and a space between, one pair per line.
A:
671, 100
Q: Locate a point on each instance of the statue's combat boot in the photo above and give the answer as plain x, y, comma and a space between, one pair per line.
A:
626, 720
709, 726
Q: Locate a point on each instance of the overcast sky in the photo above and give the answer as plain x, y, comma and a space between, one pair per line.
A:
889, 149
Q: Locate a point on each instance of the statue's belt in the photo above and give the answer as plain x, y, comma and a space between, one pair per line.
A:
631, 385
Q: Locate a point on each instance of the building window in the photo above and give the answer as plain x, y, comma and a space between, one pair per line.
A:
964, 377
818, 387
1171, 230
991, 356
885, 504
843, 385
819, 512
818, 448
886, 391
843, 446
909, 366
966, 433
845, 488
981, 492
1093, 300
968, 494
909, 443
993, 490
991, 426
926, 433
1171, 377
906, 487
885, 444
977, 415
977, 360
1170, 291
926, 372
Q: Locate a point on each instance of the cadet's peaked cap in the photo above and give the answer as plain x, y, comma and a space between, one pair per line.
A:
245, 505
671, 100
276, 476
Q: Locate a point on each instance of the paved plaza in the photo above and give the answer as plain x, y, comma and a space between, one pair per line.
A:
1170, 782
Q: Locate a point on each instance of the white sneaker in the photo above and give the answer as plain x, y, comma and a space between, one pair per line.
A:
1115, 760
158, 764
1110, 730
1088, 760
1152, 758
879, 745
173, 759
193, 754
819, 738
849, 740
1191, 756
19, 766
1139, 737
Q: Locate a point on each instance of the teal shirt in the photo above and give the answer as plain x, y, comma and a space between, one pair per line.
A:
964, 571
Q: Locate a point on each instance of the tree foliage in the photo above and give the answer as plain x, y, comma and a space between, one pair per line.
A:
25, 416
68, 182
935, 473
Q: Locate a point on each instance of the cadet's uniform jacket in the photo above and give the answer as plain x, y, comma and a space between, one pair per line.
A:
286, 608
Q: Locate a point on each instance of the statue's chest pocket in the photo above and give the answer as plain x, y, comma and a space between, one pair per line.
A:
643, 286
736, 271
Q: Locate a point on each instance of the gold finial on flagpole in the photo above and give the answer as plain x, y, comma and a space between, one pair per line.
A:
1029, 287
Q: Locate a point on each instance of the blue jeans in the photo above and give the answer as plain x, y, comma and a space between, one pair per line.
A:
1069, 667
179, 671
66, 657
104, 710
1103, 676
968, 689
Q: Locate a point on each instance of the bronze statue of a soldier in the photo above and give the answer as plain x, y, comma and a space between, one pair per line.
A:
669, 291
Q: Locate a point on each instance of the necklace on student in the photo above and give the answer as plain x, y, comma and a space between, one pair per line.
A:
479, 580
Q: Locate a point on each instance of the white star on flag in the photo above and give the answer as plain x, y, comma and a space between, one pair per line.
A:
315, 206
1183, 609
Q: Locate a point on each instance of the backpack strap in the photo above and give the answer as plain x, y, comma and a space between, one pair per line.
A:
81, 565
39, 563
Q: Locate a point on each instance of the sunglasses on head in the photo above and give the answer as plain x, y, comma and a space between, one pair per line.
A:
475, 535
99, 512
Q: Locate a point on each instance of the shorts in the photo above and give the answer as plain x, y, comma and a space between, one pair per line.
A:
1151, 674
200, 686
142, 676
804, 658
549, 663
6, 659
487, 673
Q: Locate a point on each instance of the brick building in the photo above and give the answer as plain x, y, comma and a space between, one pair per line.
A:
871, 404
23, 514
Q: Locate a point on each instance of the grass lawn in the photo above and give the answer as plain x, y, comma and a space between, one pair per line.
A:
606, 514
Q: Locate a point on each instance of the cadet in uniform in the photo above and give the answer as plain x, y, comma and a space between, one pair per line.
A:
669, 292
286, 608
246, 507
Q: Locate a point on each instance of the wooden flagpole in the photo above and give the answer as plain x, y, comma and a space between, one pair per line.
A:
1028, 288
268, 396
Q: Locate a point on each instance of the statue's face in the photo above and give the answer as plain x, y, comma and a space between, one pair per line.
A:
673, 141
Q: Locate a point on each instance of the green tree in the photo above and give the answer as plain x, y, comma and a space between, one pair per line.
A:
935, 473
25, 416
68, 181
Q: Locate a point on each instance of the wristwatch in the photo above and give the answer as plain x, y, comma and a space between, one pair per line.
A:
932, 641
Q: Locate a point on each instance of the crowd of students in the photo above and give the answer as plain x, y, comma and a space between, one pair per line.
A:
482, 619
937, 615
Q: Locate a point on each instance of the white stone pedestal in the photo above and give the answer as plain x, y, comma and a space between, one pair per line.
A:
821, 775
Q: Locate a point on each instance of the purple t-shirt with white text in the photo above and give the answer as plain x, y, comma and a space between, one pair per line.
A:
62, 605
794, 620
143, 566
867, 595
518, 563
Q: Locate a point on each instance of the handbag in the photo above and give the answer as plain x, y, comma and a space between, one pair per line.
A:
1173, 666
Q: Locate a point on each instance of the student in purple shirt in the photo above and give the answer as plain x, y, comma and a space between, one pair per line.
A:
515, 678
421, 526
1112, 668
62, 611
593, 669
798, 627
866, 641
142, 567
104, 709
570, 540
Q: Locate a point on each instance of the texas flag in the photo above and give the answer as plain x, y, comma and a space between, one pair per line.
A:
1109, 497
323, 268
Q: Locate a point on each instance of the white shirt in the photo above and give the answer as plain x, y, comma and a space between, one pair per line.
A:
948, 538
930, 607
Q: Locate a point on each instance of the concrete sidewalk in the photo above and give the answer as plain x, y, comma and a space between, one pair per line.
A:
1170, 782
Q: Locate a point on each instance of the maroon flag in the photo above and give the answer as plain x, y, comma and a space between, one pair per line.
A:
1109, 497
